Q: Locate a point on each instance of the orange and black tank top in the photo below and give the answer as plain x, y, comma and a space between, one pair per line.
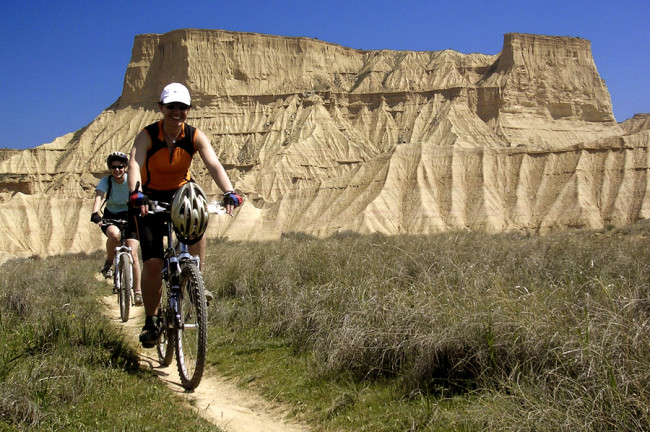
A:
165, 171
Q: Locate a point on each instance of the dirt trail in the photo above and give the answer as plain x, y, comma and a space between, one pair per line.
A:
215, 399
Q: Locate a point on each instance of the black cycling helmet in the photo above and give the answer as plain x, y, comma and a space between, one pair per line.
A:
116, 156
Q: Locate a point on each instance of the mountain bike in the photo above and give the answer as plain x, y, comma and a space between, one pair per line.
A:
183, 313
123, 270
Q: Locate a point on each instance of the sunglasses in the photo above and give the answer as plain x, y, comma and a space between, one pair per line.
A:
172, 106
117, 167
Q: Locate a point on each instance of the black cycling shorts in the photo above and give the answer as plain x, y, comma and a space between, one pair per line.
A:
131, 232
152, 229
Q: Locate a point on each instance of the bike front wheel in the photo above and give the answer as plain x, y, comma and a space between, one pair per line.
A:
167, 332
192, 334
125, 272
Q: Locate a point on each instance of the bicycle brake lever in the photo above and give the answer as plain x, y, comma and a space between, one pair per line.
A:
216, 207
155, 208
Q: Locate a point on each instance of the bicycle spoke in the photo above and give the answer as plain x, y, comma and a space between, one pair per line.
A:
167, 336
192, 335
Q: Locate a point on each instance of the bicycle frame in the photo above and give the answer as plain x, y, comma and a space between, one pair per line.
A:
172, 271
119, 252
183, 308
176, 253
125, 294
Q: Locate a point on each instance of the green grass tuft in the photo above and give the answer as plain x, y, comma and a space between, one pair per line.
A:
64, 366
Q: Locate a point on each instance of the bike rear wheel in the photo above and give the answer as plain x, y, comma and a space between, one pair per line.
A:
167, 335
125, 275
192, 336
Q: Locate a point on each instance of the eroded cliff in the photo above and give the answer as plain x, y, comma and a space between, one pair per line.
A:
322, 138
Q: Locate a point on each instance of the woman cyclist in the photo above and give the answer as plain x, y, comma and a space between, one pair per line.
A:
159, 165
113, 191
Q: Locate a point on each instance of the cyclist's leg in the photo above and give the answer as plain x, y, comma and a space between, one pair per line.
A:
150, 234
131, 234
151, 284
112, 241
112, 234
199, 249
134, 245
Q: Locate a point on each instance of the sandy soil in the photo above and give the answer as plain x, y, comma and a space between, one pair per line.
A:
216, 399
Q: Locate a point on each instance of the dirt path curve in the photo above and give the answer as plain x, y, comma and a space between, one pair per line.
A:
215, 399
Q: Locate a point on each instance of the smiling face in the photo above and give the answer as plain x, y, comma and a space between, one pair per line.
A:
118, 168
175, 113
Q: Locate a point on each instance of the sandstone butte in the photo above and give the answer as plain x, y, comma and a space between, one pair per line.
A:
322, 138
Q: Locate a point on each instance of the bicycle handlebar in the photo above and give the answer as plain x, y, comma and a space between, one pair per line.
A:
159, 207
116, 222
214, 207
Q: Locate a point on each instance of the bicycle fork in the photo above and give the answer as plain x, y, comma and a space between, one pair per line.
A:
172, 275
119, 251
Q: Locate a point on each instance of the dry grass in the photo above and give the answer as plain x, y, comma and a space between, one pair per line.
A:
539, 333
457, 331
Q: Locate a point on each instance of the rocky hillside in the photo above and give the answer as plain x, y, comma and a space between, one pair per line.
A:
322, 138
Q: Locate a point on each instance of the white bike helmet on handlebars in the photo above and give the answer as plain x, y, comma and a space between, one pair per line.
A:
190, 213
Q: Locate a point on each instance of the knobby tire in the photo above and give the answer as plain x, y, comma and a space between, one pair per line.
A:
191, 342
126, 286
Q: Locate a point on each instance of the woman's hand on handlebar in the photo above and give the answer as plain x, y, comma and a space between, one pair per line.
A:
144, 209
231, 200
139, 200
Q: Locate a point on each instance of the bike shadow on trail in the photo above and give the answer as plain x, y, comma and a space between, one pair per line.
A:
149, 359
148, 356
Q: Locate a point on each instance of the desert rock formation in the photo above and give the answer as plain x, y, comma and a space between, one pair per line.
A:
638, 123
323, 139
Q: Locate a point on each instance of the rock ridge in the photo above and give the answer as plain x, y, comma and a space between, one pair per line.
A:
323, 138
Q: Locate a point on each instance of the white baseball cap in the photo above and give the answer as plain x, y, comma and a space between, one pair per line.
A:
175, 92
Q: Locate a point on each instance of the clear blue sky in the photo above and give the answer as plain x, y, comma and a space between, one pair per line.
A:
63, 62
